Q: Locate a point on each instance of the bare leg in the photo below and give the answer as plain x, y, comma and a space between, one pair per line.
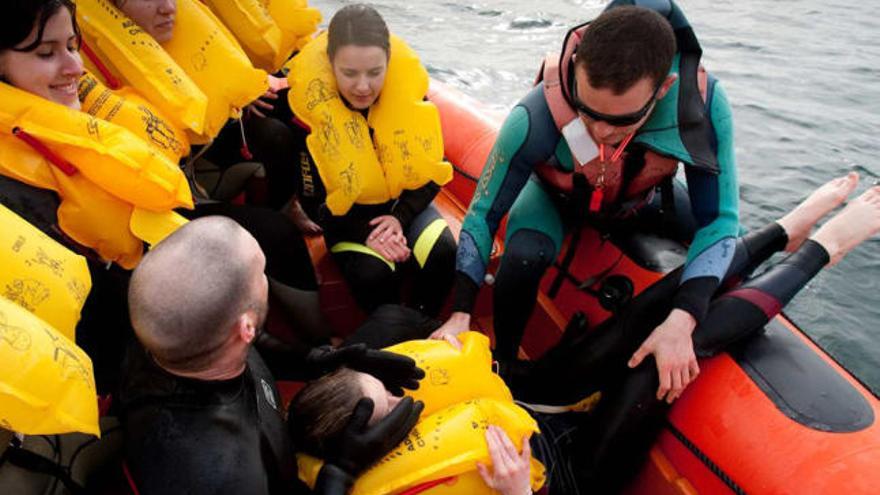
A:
736, 314
301, 219
855, 224
799, 221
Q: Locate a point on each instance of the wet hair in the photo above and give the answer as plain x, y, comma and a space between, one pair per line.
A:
320, 411
20, 16
189, 290
357, 24
623, 46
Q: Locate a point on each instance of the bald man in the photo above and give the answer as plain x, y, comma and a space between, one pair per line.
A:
199, 407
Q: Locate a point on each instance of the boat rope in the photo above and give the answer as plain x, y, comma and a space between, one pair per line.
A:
715, 468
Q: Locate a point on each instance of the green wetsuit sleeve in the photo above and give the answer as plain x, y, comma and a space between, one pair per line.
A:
527, 138
715, 206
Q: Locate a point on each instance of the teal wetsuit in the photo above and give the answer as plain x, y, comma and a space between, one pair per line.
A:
535, 230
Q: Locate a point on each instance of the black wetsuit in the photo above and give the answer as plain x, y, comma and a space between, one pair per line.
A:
373, 280
194, 436
205, 437
601, 452
598, 452
103, 328
270, 141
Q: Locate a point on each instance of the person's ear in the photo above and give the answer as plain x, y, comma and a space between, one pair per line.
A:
664, 88
247, 326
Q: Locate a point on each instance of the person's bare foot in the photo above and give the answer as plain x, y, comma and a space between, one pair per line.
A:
856, 223
301, 219
799, 221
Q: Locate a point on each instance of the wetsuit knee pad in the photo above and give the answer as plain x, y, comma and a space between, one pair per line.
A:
365, 272
527, 255
787, 278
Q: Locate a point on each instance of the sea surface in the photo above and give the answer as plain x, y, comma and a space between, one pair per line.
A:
803, 77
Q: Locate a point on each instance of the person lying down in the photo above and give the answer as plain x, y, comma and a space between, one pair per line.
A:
502, 459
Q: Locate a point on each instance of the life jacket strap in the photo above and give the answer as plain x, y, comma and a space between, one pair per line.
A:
109, 78
423, 487
65, 166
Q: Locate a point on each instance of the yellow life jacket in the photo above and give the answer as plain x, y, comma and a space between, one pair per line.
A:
211, 56
128, 109
41, 275
46, 381
452, 375
201, 77
296, 20
258, 31
406, 151
121, 53
115, 189
459, 391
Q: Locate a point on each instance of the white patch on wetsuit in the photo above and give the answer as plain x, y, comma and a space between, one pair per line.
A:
581, 144
269, 394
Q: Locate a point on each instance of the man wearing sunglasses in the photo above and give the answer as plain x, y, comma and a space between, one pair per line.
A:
610, 121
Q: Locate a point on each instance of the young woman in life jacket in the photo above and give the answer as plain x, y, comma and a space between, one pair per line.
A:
264, 138
598, 452
39, 53
370, 192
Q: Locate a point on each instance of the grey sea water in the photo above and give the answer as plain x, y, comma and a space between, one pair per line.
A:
803, 77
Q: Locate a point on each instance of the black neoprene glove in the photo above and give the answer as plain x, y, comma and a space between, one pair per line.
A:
396, 371
359, 445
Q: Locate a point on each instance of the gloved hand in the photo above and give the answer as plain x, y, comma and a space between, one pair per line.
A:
396, 371
359, 446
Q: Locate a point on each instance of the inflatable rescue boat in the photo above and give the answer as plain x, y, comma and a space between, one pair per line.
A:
774, 415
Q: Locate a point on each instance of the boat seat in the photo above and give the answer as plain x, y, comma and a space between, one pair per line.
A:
650, 251
801, 384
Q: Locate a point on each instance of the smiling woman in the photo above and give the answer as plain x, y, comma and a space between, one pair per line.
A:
89, 194
45, 62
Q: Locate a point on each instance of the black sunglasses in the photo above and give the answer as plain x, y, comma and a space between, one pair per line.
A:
613, 120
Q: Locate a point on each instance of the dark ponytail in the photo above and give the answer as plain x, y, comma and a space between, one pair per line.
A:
360, 25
